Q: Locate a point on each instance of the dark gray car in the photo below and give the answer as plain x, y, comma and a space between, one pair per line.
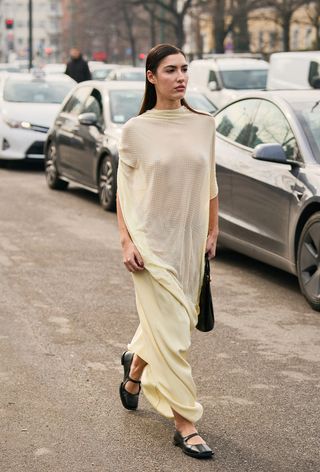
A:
268, 164
82, 145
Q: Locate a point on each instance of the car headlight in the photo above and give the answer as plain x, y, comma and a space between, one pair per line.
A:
17, 124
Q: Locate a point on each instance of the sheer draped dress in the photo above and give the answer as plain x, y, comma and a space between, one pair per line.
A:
166, 178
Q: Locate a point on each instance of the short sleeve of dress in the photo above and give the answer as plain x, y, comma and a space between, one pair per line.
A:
213, 177
127, 153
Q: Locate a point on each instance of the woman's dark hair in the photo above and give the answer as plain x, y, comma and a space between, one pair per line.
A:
154, 57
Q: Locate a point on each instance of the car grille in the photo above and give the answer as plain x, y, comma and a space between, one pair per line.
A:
39, 128
36, 148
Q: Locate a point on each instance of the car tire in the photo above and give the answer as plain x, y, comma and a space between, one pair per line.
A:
51, 171
308, 261
107, 183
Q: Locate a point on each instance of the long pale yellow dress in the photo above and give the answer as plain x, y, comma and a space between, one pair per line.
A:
166, 177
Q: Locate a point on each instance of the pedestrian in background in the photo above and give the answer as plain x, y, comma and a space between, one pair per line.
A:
167, 208
77, 67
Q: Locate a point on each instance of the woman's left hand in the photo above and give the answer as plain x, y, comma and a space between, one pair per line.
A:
211, 245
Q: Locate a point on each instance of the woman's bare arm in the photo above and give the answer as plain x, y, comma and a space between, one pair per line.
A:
213, 230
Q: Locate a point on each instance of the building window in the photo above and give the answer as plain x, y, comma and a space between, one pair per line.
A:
260, 41
295, 39
272, 39
308, 38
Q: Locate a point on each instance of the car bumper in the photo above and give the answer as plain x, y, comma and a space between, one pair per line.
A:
18, 144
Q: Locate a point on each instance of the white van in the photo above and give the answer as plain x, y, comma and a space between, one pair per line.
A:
294, 70
224, 78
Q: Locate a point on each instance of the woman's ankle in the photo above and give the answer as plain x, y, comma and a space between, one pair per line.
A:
137, 367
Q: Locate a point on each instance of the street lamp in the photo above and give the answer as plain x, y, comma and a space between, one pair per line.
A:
30, 35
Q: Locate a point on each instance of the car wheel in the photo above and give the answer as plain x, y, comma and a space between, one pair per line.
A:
51, 171
108, 183
308, 261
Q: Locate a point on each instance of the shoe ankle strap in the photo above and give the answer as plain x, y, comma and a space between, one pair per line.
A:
134, 381
192, 435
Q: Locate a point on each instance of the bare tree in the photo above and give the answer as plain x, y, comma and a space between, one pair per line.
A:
285, 10
171, 12
313, 13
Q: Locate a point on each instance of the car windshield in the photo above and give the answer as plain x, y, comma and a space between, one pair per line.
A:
244, 79
35, 91
308, 114
200, 102
100, 74
124, 104
132, 75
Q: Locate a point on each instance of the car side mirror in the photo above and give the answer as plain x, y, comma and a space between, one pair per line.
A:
88, 119
315, 82
213, 86
270, 152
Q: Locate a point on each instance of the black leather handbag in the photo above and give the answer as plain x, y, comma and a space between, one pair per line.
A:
206, 314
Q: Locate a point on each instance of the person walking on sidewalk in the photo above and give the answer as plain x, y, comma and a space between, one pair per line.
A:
167, 206
77, 67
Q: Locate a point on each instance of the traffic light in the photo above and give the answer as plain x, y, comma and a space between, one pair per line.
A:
9, 23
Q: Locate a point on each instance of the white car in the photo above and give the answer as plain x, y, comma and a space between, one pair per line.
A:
294, 70
225, 78
28, 107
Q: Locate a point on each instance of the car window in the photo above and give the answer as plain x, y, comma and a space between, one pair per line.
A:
135, 76
93, 104
112, 75
75, 103
35, 91
244, 79
314, 74
212, 77
234, 121
308, 114
200, 102
124, 104
271, 126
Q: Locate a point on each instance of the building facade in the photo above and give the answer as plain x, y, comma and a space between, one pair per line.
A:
14, 41
265, 32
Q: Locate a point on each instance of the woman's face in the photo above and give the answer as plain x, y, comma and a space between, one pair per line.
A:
171, 77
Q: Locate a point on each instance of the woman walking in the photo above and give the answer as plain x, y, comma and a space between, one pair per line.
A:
167, 208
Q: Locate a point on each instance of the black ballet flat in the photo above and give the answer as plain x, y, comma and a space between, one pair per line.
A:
199, 451
129, 400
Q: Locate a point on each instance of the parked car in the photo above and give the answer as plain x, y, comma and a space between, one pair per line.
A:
101, 71
294, 70
28, 106
134, 74
225, 78
268, 167
82, 145
9, 67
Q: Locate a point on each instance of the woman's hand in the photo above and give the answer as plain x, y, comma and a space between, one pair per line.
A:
131, 257
211, 245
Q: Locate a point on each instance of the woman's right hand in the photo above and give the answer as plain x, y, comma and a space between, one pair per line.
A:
131, 257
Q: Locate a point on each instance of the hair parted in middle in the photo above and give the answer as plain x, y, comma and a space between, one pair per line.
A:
154, 57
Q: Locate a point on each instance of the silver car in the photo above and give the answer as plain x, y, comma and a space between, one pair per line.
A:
268, 165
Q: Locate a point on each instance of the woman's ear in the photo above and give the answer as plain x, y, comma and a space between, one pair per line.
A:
150, 77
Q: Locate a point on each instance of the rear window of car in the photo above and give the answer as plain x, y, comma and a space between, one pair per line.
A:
308, 114
200, 102
134, 76
244, 79
124, 104
35, 91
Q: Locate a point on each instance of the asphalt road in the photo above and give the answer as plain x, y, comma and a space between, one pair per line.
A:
67, 311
